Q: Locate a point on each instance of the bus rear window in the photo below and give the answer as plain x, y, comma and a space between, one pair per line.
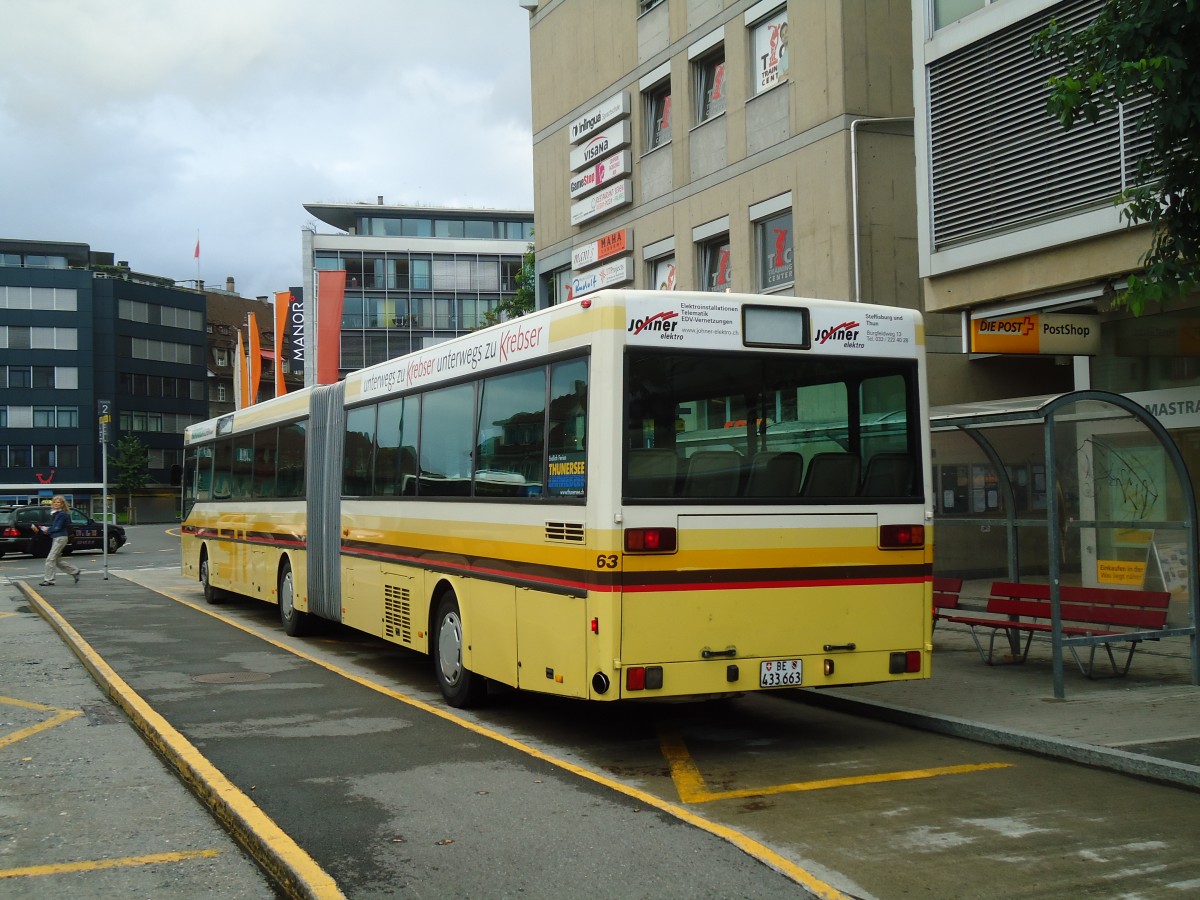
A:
745, 428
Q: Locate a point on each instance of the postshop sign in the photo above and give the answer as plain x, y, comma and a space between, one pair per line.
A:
1037, 334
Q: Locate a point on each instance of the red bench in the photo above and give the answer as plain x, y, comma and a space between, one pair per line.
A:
945, 597
1091, 617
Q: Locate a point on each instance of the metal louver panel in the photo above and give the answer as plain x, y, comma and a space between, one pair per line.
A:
397, 613
997, 158
570, 532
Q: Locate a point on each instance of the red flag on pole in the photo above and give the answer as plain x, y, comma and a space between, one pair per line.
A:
196, 255
254, 359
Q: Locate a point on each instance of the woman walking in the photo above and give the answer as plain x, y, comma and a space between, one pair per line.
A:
58, 529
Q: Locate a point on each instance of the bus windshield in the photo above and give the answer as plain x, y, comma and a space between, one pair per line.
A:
737, 427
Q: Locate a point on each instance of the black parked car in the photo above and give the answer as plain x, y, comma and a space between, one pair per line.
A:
19, 531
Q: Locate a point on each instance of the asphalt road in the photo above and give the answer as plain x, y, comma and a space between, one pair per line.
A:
345, 741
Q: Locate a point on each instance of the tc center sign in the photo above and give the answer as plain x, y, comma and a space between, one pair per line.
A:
1037, 333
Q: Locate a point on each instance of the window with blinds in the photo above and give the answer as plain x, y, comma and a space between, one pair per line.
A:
998, 160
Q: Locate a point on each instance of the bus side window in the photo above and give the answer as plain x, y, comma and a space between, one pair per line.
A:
223, 470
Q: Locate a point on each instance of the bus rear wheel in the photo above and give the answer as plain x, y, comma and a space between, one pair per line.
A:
295, 623
461, 687
211, 594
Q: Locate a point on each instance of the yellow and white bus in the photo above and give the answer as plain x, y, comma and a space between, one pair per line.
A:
636, 494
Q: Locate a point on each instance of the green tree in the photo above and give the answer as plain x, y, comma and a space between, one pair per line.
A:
1137, 48
525, 297
132, 467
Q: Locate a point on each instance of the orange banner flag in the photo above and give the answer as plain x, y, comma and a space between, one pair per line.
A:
283, 300
331, 293
254, 358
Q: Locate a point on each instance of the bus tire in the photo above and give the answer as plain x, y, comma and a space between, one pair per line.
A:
211, 594
295, 623
461, 687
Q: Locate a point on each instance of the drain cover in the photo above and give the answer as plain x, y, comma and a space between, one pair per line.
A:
231, 677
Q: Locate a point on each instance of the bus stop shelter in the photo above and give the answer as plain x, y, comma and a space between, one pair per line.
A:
1081, 489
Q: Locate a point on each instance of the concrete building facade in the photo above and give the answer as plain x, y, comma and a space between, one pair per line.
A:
724, 146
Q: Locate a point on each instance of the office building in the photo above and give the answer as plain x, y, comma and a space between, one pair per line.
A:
415, 275
77, 328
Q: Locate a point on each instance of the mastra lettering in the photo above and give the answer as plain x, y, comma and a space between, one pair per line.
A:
1174, 408
663, 321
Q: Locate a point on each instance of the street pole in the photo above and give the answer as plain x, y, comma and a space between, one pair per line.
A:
105, 419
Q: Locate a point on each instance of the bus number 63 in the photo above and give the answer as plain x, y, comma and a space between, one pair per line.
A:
606, 561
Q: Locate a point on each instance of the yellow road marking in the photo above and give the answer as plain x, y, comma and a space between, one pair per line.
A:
96, 865
5, 615
690, 785
746, 844
274, 848
63, 715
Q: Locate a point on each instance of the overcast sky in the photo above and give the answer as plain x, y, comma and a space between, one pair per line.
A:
133, 125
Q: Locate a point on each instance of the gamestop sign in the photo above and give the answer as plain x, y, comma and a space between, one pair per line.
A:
600, 174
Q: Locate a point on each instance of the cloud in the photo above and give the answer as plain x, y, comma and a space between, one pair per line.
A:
132, 125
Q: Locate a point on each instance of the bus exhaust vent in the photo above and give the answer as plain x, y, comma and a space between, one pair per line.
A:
571, 532
397, 613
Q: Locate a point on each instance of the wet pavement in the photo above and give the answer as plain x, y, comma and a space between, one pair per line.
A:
82, 794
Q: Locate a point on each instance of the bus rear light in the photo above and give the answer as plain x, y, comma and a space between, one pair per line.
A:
650, 540
901, 537
904, 663
644, 678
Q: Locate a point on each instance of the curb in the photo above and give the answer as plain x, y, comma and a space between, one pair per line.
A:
1174, 773
295, 872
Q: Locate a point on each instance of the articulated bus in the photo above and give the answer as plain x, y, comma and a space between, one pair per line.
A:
635, 494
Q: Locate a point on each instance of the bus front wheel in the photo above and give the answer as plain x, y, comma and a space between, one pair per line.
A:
461, 687
295, 623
